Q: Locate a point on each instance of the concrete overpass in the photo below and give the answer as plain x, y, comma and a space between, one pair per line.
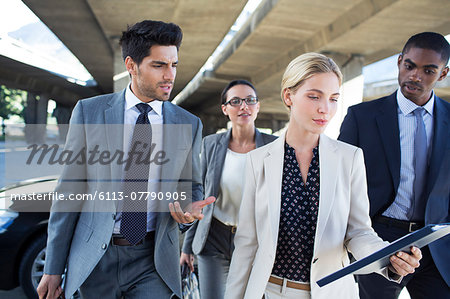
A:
19, 75
354, 32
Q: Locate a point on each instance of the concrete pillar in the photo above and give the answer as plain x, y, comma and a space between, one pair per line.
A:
121, 77
36, 118
41, 111
277, 125
30, 109
212, 123
351, 91
62, 114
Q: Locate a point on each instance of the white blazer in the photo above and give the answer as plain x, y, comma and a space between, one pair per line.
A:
343, 222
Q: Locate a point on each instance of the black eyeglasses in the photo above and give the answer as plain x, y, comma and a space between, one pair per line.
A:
236, 102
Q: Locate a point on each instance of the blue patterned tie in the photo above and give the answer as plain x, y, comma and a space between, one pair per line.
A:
133, 225
420, 166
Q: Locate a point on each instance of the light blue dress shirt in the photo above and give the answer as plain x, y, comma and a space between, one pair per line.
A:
407, 128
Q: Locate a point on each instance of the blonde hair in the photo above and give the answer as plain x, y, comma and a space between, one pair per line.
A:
304, 67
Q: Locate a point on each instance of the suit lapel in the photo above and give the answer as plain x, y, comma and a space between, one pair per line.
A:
174, 139
440, 140
114, 119
273, 170
170, 115
259, 141
387, 122
177, 144
328, 165
220, 152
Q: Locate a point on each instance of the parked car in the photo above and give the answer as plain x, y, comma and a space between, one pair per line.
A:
23, 237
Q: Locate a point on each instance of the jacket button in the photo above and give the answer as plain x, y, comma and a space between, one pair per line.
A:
104, 246
114, 216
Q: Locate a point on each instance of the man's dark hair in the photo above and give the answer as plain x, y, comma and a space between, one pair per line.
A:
223, 96
139, 38
431, 41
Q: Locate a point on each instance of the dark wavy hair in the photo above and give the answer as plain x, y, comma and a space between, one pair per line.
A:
223, 95
431, 41
137, 41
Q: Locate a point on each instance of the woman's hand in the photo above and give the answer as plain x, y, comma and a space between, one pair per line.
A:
403, 263
188, 259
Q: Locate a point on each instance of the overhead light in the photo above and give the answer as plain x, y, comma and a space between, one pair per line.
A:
120, 76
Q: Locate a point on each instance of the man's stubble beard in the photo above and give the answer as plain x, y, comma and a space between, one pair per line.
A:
147, 90
150, 92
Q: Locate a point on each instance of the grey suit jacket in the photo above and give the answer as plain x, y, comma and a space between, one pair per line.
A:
77, 240
214, 149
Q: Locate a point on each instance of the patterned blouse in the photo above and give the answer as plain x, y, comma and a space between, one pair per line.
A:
298, 218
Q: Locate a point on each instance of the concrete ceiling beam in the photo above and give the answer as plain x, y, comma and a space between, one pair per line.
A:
345, 22
14, 74
247, 28
74, 23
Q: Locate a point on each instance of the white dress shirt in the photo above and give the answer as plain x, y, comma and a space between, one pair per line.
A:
226, 208
407, 128
155, 116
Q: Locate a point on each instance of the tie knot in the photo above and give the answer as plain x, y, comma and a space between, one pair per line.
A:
143, 108
418, 112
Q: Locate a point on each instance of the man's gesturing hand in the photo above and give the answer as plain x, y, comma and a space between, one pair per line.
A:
195, 209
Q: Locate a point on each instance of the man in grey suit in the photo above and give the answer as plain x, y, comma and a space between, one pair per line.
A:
104, 254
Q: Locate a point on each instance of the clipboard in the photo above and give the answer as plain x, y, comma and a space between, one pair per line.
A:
380, 258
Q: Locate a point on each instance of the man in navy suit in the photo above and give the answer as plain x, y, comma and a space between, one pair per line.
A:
110, 251
403, 195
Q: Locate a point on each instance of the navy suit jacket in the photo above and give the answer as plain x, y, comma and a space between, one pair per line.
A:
373, 126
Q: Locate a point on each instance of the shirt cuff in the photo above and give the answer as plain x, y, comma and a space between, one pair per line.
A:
391, 275
185, 226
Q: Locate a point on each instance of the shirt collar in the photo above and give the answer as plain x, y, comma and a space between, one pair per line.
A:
131, 100
407, 106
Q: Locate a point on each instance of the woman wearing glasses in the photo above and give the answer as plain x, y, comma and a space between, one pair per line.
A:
305, 202
223, 160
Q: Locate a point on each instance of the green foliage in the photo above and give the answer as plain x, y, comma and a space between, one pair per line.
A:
11, 102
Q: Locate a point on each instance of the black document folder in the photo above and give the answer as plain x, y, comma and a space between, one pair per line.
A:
380, 259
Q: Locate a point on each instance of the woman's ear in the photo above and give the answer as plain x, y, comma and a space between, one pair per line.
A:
257, 107
224, 110
287, 97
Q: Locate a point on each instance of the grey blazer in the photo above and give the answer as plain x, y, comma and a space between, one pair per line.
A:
78, 240
214, 149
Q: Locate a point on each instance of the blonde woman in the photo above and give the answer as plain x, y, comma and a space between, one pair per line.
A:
305, 205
